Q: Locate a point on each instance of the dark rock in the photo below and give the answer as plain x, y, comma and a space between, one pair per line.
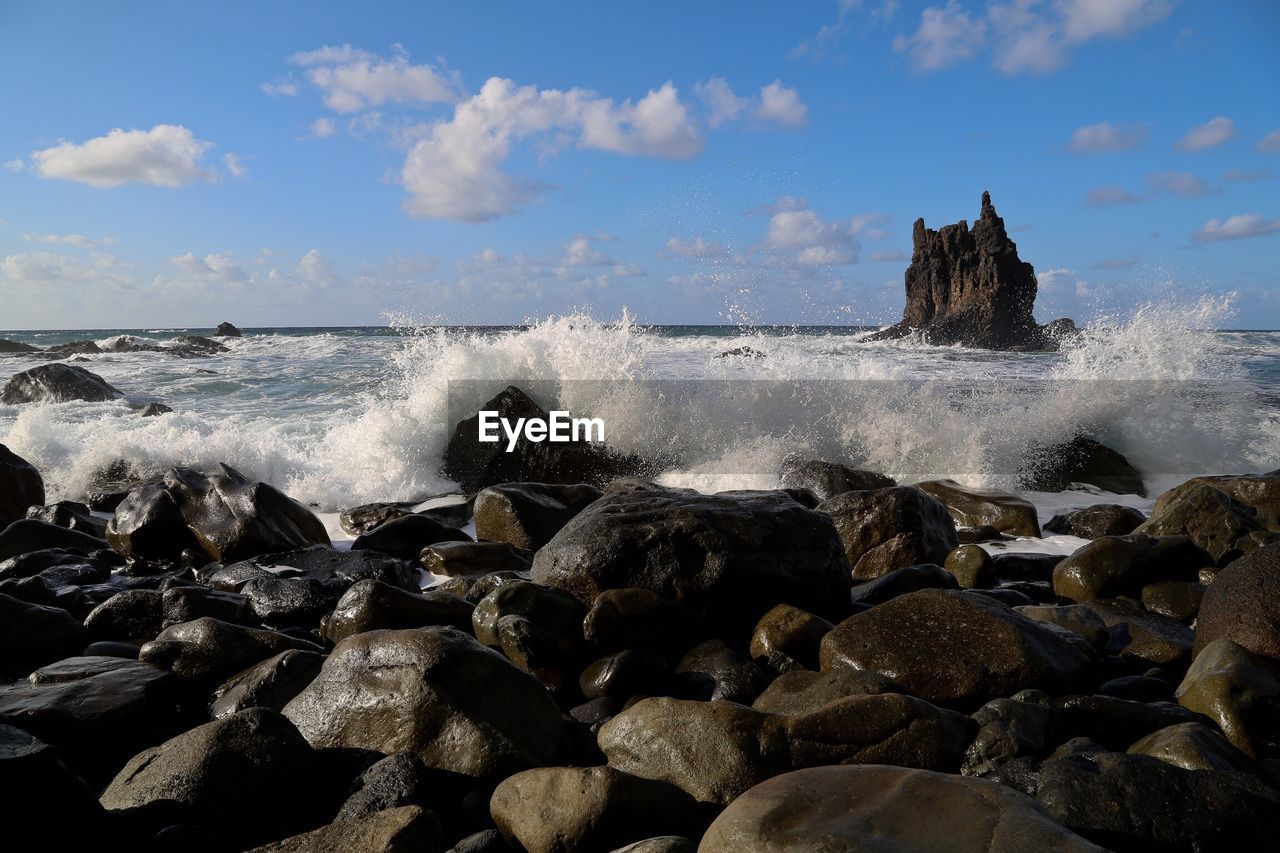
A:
972, 567
1007, 596
1138, 688
1193, 746
71, 515
975, 535
1243, 604
973, 507
1095, 521
474, 464
405, 537
970, 288
211, 651
717, 750
1145, 638
361, 519
270, 684
199, 342
8, 347
370, 605
538, 628
435, 692
74, 348
661, 844
787, 638
1136, 802
27, 534
733, 678
283, 602
335, 569
1215, 521
188, 603
880, 809
407, 829
1025, 567
528, 515
32, 635
801, 691
632, 618
134, 614
1114, 723
155, 409
394, 782
1123, 565
486, 841
732, 556
1239, 691
988, 649
1081, 460
1009, 728
622, 675
1178, 600
742, 352
45, 806
226, 330
1260, 491
888, 529
588, 809
828, 479
21, 486
474, 559
57, 383
902, 581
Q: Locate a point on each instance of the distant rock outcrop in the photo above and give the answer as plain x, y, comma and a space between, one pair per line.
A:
968, 286
226, 330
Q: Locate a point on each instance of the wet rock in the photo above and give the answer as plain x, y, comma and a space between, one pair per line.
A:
188, 603
1193, 746
733, 678
226, 330
283, 602
528, 515
879, 809
404, 538
1114, 723
787, 638
661, 844
632, 618
989, 649
902, 581
1123, 565
1243, 604
8, 347
474, 559
1260, 491
1082, 460
337, 570
486, 841
1139, 688
1239, 691
26, 535
970, 288
717, 750
370, 605
394, 782
1096, 521
252, 765
974, 535
972, 567
1009, 728
732, 556
828, 479
801, 691
269, 684
134, 614
407, 829
888, 529
211, 651
622, 675
1144, 637
554, 612
1075, 618
46, 806
1111, 798
71, 515
155, 409
475, 465
1215, 521
588, 809
361, 519
973, 507
435, 692
21, 486
32, 635
1178, 600
199, 342
57, 383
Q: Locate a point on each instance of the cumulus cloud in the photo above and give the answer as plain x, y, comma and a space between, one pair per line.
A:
721, 102
829, 35
1110, 195
1086, 19
212, 267
79, 241
167, 155
1181, 184
1064, 281
947, 35
52, 268
775, 104
1211, 134
698, 247
322, 128
286, 88
1025, 40
781, 105
455, 172
352, 80
1236, 227
1107, 137
1270, 143
808, 239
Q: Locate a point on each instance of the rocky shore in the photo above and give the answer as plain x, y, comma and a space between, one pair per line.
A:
575, 659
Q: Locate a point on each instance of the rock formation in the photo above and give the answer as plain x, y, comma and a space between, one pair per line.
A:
968, 286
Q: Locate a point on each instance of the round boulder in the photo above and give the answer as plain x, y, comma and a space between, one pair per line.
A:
891, 528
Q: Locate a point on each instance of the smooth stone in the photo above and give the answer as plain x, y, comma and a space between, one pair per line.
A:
801, 691
828, 479
891, 528
631, 618
733, 677
902, 581
1123, 565
528, 515
972, 566
370, 605
32, 635
27, 534
57, 383
973, 507
270, 684
1096, 521
1215, 521
405, 537
1193, 746
1236, 689
787, 638
207, 650
473, 559
1178, 600
1243, 605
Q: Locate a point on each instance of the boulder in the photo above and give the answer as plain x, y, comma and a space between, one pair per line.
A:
787, 638
1009, 728
828, 479
221, 512
226, 330
1111, 722
1146, 638
888, 529
474, 464
528, 515
400, 780
71, 515
57, 383
723, 674
1081, 460
1243, 604
8, 347
717, 750
1239, 691
1215, 521
435, 692
622, 675
21, 486
209, 651
661, 844
900, 582
1179, 600
288, 602
732, 556
33, 634
201, 343
407, 829
361, 519
973, 567
337, 570
155, 409
474, 559
1075, 618
1193, 746
269, 684
974, 507
45, 806
886, 810
1123, 565
801, 691
567, 809
371, 605
189, 603
631, 618
1260, 491
27, 534
1096, 521
404, 538
134, 614
961, 648
970, 288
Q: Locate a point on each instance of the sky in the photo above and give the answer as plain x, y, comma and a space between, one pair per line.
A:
322, 163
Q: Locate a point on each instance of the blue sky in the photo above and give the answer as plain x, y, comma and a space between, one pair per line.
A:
322, 163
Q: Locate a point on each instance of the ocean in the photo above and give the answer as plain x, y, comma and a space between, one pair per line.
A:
343, 416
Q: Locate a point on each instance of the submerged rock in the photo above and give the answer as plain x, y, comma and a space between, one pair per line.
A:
57, 383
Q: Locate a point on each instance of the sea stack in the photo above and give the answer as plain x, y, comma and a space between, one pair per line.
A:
969, 287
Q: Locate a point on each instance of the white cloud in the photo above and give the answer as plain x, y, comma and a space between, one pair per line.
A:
15, 165
1181, 184
167, 155
1025, 40
808, 239
698, 248
1064, 281
323, 128
946, 35
212, 267
50, 268
352, 80
235, 165
454, 172
1211, 134
314, 268
1269, 143
1107, 137
781, 105
721, 102
79, 241
1109, 195
1236, 227
829, 34
1086, 19
286, 88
